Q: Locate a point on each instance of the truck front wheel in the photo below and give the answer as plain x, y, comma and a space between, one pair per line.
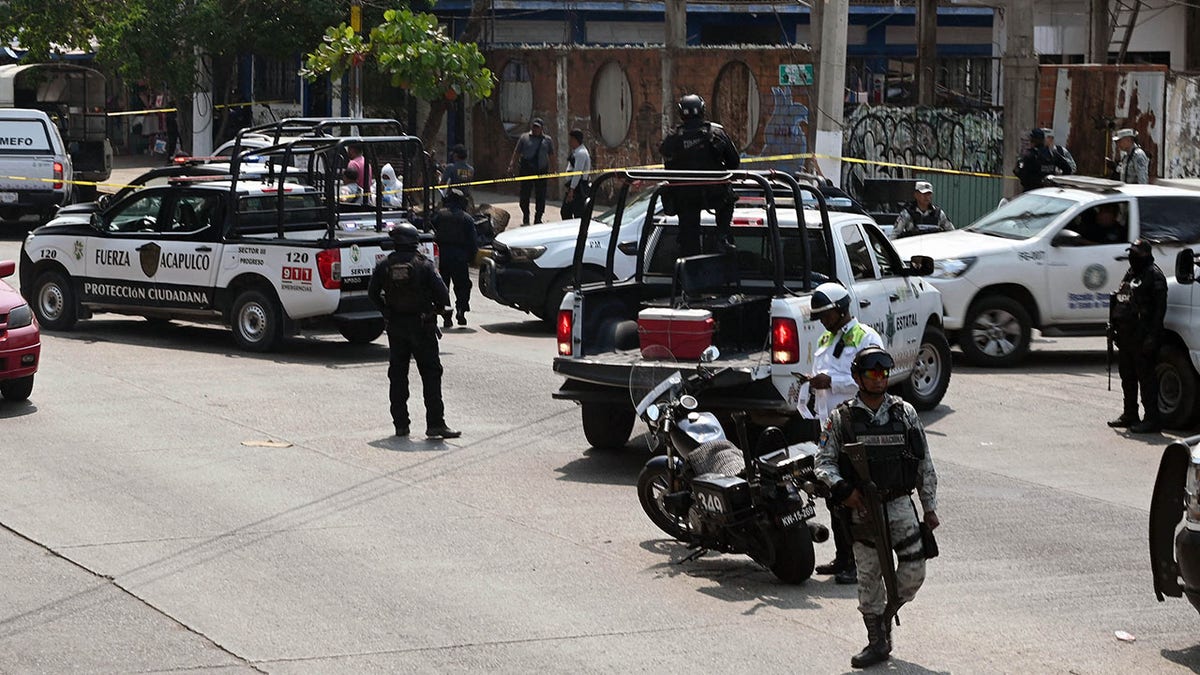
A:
54, 301
1176, 389
931, 373
996, 332
257, 321
607, 426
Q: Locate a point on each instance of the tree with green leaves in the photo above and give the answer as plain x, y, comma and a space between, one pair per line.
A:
415, 54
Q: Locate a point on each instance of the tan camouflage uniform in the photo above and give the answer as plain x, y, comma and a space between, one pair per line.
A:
902, 516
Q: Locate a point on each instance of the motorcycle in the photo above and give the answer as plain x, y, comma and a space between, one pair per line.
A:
710, 494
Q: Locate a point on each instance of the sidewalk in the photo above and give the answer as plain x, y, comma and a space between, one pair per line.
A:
128, 167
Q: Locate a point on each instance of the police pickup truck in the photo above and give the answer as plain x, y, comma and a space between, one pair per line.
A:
264, 256
1048, 260
753, 304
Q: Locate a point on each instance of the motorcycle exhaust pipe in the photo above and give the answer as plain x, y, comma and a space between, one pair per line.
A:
819, 532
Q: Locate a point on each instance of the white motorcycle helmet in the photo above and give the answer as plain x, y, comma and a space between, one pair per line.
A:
830, 295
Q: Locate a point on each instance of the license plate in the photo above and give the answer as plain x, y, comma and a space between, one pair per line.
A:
798, 516
8, 197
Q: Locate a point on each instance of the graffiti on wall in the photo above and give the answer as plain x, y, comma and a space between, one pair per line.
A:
943, 138
787, 129
1182, 153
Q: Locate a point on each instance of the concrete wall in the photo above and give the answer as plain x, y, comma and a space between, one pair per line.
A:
1061, 27
1181, 151
562, 83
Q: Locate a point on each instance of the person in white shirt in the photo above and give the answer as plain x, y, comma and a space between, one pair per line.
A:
832, 383
577, 185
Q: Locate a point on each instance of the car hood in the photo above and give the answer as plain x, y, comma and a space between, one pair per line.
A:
540, 235
9, 297
957, 244
71, 223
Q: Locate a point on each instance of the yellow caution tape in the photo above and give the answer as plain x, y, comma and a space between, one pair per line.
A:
150, 111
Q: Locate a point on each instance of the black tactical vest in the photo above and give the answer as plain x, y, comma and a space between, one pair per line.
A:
928, 222
405, 289
892, 456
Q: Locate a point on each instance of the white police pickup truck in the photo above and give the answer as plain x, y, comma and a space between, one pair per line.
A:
263, 256
753, 304
35, 167
1048, 260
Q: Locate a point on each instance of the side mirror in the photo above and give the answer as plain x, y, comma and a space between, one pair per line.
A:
711, 353
921, 265
1185, 267
653, 413
97, 222
7, 268
103, 200
1067, 238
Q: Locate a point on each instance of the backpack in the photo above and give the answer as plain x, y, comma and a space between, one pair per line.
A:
404, 289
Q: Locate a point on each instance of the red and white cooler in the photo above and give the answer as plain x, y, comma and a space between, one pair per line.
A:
685, 332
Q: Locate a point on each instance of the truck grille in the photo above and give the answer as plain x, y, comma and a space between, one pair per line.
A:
500, 253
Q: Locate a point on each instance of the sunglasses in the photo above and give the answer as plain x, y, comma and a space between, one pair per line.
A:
876, 373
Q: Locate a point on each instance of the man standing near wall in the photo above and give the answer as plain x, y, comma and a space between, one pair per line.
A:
535, 150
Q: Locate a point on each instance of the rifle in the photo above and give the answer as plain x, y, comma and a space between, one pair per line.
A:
877, 514
1108, 334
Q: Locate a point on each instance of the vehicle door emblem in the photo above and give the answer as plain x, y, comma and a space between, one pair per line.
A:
1095, 276
78, 250
149, 255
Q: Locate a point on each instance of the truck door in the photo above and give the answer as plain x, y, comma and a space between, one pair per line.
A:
868, 290
902, 327
188, 251
116, 269
1081, 265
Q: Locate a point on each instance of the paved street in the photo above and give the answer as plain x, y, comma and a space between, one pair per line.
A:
146, 528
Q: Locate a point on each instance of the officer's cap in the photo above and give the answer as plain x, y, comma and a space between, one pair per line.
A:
1124, 133
923, 186
537, 122
1141, 247
872, 358
1037, 134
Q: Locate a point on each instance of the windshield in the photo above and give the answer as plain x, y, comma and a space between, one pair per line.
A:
1022, 217
635, 209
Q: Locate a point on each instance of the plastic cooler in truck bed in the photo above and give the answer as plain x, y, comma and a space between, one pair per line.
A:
685, 332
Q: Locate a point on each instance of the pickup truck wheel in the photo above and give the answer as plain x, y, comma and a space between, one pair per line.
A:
54, 301
18, 389
652, 486
607, 426
257, 321
931, 373
1176, 389
996, 332
361, 332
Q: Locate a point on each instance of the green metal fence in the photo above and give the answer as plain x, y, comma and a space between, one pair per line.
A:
964, 198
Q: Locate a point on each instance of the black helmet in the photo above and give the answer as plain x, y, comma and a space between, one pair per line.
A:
830, 295
405, 234
691, 106
872, 358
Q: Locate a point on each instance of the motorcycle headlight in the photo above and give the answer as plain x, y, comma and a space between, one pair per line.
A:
1192, 492
951, 267
20, 317
526, 253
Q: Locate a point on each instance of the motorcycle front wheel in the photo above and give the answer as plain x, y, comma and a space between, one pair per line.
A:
653, 485
793, 555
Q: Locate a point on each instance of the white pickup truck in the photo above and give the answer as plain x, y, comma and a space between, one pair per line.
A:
263, 256
35, 168
1048, 260
758, 303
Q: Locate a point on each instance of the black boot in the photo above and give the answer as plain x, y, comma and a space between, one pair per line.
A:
1124, 421
832, 567
847, 576
877, 649
1150, 425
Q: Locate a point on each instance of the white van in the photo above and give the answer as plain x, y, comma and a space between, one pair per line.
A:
35, 169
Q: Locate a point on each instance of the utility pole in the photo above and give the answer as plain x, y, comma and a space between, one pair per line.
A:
1099, 31
927, 52
831, 88
1020, 82
675, 39
203, 113
356, 104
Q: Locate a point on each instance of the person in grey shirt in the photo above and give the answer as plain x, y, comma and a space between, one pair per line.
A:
921, 216
580, 164
1134, 166
1058, 151
535, 150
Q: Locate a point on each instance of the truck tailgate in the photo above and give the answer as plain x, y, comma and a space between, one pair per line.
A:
613, 368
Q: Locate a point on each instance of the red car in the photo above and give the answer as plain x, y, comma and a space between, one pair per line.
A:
20, 341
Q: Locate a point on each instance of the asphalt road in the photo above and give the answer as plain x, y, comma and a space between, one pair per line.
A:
140, 532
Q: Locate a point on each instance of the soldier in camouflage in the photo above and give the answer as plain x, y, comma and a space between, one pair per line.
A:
898, 458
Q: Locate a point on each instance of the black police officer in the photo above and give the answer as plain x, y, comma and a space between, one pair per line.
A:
408, 291
697, 145
457, 243
1136, 313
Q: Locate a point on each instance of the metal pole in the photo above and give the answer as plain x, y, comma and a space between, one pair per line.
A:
927, 52
675, 39
356, 105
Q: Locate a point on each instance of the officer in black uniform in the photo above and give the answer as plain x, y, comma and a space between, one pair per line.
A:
457, 243
1136, 313
408, 291
697, 145
1037, 162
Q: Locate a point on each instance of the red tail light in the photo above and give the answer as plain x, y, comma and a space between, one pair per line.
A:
437, 253
58, 175
329, 266
785, 341
566, 321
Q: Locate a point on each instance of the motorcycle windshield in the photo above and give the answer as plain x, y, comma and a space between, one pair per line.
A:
674, 380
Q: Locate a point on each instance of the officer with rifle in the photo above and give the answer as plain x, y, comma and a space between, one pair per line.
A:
873, 455
406, 288
1136, 312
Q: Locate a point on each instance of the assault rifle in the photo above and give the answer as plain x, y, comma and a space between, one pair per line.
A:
877, 515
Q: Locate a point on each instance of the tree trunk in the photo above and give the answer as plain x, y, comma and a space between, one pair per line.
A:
433, 122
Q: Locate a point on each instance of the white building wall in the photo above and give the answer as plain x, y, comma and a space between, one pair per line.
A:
1062, 28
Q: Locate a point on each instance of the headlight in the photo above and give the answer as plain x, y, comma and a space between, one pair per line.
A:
951, 267
526, 253
20, 317
1192, 494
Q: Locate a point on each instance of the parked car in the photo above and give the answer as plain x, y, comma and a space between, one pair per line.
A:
20, 340
35, 168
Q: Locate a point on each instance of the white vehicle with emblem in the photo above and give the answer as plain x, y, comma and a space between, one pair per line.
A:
753, 304
1048, 260
263, 256
35, 167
